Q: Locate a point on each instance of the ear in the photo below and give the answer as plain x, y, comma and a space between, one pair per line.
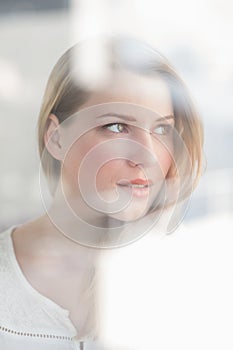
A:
52, 137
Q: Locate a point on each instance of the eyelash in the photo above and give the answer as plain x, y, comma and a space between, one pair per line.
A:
111, 124
168, 128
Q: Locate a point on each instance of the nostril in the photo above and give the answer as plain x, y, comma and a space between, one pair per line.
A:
133, 164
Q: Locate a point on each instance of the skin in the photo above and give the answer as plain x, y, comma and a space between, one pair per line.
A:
150, 93
39, 243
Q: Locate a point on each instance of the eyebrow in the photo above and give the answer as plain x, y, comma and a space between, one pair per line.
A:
167, 117
132, 119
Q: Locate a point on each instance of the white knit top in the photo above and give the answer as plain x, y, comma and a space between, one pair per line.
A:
175, 293
29, 320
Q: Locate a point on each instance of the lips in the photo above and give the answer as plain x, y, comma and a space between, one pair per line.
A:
136, 183
139, 188
141, 182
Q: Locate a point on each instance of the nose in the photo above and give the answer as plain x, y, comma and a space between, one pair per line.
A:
144, 154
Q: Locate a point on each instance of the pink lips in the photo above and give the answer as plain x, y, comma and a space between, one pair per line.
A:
141, 182
135, 182
137, 191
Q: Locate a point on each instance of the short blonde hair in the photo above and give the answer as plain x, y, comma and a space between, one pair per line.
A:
64, 97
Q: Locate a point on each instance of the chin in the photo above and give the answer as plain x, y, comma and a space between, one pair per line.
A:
129, 215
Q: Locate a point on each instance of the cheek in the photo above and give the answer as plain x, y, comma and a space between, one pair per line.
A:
164, 158
101, 165
107, 174
166, 163
73, 160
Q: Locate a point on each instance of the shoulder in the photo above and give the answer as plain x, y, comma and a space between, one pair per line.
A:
6, 269
5, 237
5, 233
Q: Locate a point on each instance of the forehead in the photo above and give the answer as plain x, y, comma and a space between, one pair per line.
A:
149, 92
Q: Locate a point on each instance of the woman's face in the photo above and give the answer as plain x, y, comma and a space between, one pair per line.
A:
120, 159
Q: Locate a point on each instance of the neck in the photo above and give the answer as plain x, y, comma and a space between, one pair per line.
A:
72, 217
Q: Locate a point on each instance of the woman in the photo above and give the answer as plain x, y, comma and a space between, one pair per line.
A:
120, 143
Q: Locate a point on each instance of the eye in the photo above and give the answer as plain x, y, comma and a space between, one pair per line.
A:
163, 129
116, 127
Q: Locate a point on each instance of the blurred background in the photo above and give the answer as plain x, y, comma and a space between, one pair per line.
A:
195, 36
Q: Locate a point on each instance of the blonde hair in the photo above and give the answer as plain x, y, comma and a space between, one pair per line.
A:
64, 96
